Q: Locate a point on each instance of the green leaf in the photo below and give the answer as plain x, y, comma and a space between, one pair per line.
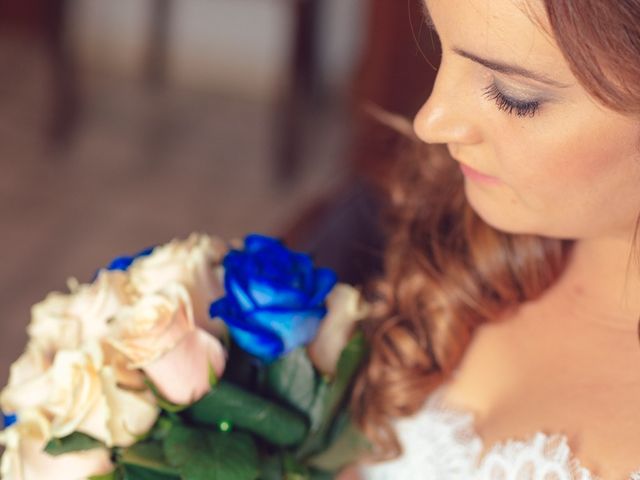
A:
75, 442
139, 473
161, 428
292, 378
106, 476
321, 402
149, 455
271, 468
213, 376
181, 443
330, 396
244, 410
162, 402
205, 455
294, 470
320, 475
348, 365
347, 447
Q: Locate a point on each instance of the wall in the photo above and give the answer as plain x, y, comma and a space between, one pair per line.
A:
236, 46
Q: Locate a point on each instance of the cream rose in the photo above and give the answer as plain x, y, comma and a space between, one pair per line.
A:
194, 263
345, 307
28, 383
24, 457
86, 398
79, 392
66, 321
158, 335
182, 374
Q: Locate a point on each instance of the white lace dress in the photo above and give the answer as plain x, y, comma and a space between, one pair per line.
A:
441, 443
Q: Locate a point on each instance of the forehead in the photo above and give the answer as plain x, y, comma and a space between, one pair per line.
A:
515, 31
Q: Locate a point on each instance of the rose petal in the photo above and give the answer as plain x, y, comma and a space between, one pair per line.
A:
324, 281
256, 242
182, 375
294, 328
24, 457
28, 383
51, 328
274, 265
268, 295
71, 466
130, 414
153, 326
262, 343
124, 262
305, 272
345, 308
76, 391
237, 289
94, 305
32, 393
193, 262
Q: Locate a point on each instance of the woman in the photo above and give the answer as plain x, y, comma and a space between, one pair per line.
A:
506, 342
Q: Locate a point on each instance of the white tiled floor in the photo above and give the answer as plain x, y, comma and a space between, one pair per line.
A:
143, 168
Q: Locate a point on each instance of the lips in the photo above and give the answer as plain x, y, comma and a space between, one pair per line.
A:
477, 176
472, 173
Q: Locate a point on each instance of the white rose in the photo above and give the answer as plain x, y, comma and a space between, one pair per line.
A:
76, 400
129, 414
345, 307
158, 335
79, 392
66, 321
86, 398
51, 328
194, 262
24, 457
153, 325
28, 385
127, 377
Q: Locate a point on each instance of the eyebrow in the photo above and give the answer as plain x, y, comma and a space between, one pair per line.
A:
508, 69
505, 68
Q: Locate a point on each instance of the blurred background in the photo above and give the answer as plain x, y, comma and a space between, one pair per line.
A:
126, 123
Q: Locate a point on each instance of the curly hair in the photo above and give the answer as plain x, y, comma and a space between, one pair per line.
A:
446, 270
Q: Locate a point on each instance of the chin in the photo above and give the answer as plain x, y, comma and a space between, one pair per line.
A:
502, 224
503, 216
507, 222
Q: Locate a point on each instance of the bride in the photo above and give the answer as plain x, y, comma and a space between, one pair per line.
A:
505, 343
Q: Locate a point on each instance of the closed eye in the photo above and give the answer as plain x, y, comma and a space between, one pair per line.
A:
521, 108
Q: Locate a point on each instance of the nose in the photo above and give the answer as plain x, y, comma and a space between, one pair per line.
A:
446, 116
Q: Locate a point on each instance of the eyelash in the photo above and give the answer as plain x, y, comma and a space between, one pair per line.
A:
510, 105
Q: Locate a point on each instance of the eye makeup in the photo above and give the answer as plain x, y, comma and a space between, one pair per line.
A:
510, 105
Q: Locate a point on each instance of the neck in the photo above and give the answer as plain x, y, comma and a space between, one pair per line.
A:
601, 285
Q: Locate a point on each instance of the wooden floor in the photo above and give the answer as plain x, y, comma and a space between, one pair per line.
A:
143, 167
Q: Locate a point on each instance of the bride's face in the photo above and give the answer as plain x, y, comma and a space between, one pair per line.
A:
506, 104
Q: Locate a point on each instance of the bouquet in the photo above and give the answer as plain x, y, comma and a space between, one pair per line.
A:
188, 361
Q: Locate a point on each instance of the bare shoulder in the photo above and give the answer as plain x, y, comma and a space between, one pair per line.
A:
485, 372
519, 380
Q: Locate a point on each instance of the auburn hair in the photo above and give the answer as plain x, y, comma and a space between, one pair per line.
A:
446, 270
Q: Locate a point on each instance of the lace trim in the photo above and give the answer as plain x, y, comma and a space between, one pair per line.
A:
544, 456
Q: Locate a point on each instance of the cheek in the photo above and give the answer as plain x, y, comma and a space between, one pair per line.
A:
576, 164
571, 179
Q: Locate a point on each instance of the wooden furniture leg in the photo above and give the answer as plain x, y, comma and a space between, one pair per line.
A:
65, 87
302, 73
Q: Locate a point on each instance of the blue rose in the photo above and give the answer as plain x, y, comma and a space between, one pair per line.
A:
7, 419
274, 299
124, 262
